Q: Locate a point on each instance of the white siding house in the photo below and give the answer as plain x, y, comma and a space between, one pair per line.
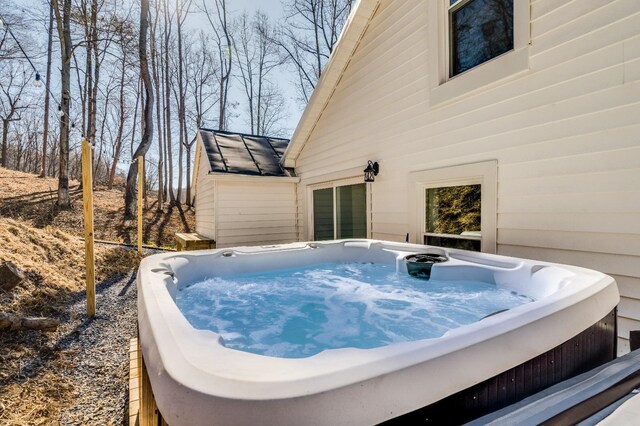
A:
550, 129
242, 196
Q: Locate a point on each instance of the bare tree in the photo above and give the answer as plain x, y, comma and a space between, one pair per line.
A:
273, 111
9, 50
155, 57
223, 39
167, 99
45, 126
201, 71
98, 34
182, 10
126, 40
257, 56
11, 102
147, 134
102, 116
24, 151
307, 39
63, 20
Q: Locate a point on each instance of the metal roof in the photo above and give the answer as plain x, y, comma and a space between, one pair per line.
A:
240, 153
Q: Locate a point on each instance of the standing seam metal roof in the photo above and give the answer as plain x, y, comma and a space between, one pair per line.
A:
239, 153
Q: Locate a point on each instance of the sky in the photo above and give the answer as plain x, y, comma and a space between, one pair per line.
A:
284, 79
273, 7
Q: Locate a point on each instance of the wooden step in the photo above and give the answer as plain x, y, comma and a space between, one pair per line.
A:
193, 241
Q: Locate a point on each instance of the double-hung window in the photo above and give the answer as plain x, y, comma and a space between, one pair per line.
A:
475, 43
479, 30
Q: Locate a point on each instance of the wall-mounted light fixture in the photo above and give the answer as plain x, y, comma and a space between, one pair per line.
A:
371, 171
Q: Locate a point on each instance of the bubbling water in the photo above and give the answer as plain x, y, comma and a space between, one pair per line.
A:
296, 313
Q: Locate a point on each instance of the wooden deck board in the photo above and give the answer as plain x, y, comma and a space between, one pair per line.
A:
143, 410
134, 380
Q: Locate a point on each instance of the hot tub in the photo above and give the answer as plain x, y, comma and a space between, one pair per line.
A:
568, 327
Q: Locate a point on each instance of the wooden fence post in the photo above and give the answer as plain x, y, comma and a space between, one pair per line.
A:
87, 198
140, 194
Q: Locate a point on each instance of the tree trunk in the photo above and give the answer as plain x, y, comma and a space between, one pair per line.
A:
156, 85
134, 124
147, 134
5, 136
118, 147
225, 57
11, 322
180, 160
181, 122
189, 202
47, 84
64, 33
167, 105
165, 188
181, 10
93, 100
96, 169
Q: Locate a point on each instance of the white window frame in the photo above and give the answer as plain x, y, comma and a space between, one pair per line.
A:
444, 88
335, 184
483, 173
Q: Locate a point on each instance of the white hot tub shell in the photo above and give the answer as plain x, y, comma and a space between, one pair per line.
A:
196, 380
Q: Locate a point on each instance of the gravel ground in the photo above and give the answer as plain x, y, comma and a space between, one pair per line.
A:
100, 355
90, 358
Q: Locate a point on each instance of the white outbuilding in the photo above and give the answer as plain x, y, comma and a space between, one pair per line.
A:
242, 194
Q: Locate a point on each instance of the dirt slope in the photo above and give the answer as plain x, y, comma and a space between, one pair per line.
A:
26, 197
77, 374
34, 384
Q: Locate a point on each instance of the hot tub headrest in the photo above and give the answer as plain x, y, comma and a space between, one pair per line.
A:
419, 264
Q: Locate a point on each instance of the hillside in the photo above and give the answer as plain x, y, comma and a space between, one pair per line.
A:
24, 196
35, 387
76, 374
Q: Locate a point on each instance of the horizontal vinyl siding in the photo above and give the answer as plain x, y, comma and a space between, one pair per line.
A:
256, 213
204, 203
565, 134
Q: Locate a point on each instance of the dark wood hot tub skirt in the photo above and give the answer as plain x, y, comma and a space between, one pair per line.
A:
593, 347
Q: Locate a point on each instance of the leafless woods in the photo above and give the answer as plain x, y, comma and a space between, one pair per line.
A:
141, 78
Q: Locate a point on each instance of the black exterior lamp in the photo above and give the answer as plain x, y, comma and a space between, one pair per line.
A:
371, 171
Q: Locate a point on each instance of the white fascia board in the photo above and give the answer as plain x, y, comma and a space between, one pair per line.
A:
351, 35
221, 176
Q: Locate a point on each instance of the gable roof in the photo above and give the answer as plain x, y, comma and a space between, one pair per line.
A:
240, 153
352, 32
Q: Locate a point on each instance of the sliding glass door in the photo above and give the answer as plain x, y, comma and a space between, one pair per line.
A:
323, 222
340, 212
